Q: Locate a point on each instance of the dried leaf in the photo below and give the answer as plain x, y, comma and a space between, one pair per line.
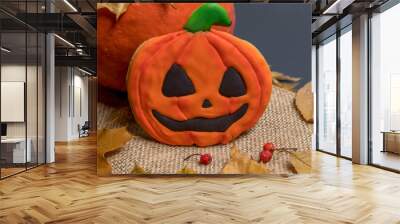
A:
109, 140
256, 168
284, 81
117, 8
241, 163
288, 86
304, 102
138, 170
300, 161
282, 77
186, 170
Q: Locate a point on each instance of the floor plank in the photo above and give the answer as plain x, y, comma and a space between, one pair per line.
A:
70, 192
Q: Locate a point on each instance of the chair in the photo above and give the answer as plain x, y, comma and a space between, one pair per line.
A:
84, 130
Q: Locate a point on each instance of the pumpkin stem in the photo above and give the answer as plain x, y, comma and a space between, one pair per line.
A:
205, 16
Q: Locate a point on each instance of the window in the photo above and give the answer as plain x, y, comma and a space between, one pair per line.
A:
346, 75
385, 89
327, 96
22, 77
334, 94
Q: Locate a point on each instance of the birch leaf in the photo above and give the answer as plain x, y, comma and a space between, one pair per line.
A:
241, 163
301, 162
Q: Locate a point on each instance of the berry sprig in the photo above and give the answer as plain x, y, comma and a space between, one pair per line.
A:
268, 151
205, 159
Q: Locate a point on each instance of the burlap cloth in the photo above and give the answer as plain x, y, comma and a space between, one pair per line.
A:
280, 124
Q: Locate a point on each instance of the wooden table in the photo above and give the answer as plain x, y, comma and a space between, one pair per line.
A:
15, 147
391, 141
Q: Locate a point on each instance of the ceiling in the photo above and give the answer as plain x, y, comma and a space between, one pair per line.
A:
72, 20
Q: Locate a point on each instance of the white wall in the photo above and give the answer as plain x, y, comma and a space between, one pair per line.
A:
71, 94
61, 103
11, 73
16, 72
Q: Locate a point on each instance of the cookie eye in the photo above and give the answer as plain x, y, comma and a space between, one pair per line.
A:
232, 84
177, 83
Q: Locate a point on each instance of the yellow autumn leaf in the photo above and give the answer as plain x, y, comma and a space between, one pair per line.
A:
256, 168
109, 140
116, 8
138, 170
241, 163
186, 170
300, 161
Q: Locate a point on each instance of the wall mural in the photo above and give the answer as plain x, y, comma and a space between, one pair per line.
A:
203, 88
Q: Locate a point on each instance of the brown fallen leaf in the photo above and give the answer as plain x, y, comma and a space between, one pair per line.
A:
241, 163
304, 102
186, 170
282, 77
117, 8
284, 81
300, 162
138, 170
109, 140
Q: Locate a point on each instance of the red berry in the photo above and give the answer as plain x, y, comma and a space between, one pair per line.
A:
269, 147
205, 159
265, 156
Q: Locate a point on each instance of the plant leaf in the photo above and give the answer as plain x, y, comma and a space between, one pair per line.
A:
304, 102
138, 170
241, 163
282, 77
186, 170
300, 161
256, 168
116, 8
284, 81
109, 140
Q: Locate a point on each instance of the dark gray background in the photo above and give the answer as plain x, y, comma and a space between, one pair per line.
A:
282, 32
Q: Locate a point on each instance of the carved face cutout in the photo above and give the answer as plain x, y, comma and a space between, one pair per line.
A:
177, 83
204, 88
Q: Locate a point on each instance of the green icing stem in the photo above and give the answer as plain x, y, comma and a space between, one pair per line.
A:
205, 16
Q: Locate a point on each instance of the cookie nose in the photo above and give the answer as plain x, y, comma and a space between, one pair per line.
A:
206, 103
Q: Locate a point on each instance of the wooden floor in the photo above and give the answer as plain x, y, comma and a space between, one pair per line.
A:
5, 172
387, 159
70, 192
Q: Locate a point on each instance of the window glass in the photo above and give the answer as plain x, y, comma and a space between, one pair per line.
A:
385, 88
327, 96
346, 94
14, 153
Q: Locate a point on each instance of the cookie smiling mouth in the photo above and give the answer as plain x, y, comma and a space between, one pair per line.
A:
201, 124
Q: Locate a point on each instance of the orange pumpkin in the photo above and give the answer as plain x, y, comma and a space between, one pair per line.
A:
198, 86
119, 35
